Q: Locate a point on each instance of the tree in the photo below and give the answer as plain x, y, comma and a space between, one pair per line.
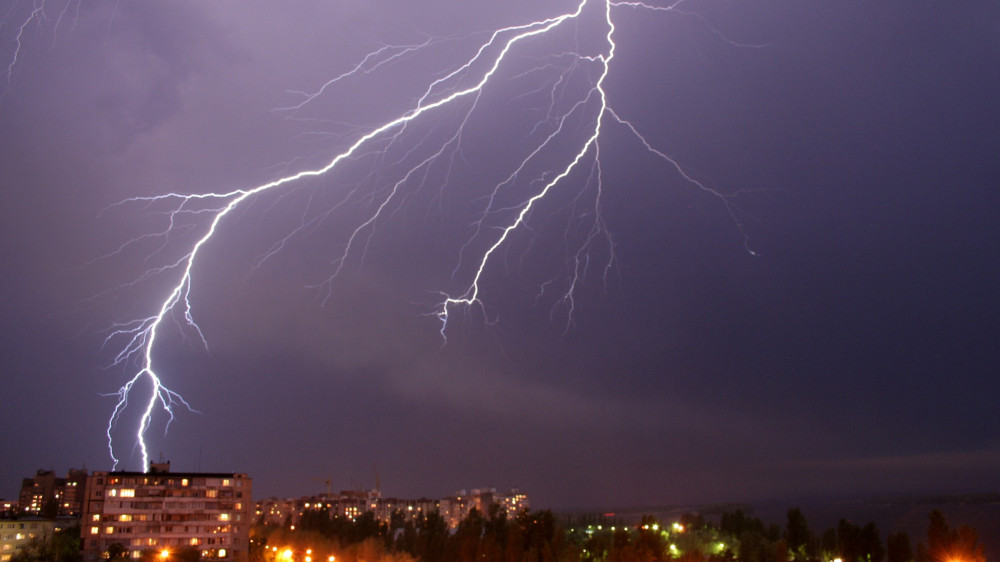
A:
829, 545
539, 531
736, 522
945, 543
849, 541
870, 543
898, 548
117, 551
431, 538
755, 547
466, 542
62, 546
495, 528
692, 521
315, 520
366, 526
939, 536
797, 535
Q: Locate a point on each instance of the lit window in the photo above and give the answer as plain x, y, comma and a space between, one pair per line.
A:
227, 482
128, 493
109, 529
194, 541
223, 517
222, 553
211, 493
95, 517
125, 517
113, 493
184, 481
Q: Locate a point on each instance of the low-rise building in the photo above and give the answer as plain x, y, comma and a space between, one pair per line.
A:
17, 533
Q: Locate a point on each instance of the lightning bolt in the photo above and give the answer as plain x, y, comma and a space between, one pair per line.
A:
505, 210
38, 15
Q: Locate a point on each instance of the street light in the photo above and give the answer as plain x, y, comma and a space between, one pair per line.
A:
164, 554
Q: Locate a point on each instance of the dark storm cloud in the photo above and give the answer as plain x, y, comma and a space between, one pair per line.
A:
859, 346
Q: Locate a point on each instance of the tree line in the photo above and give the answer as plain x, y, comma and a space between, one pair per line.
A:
541, 536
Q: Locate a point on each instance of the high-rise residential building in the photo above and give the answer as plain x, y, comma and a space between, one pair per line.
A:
456, 507
47, 494
165, 512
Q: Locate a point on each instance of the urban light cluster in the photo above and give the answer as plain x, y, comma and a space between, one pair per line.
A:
351, 504
287, 554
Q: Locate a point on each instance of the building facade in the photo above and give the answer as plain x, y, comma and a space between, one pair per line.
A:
45, 492
456, 507
350, 504
163, 511
16, 534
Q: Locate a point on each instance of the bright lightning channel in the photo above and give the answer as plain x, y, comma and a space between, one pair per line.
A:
140, 336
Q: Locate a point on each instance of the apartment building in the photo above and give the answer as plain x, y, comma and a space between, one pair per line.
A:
165, 511
456, 507
15, 534
350, 504
45, 491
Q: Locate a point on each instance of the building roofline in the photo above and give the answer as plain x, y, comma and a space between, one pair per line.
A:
171, 474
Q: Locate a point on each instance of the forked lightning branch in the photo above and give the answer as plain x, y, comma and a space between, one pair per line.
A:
544, 172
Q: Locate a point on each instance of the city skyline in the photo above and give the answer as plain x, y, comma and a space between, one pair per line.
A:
815, 316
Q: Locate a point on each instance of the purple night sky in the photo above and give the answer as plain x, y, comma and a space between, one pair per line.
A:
856, 352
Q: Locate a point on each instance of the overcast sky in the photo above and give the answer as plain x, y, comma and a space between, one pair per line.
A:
822, 318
